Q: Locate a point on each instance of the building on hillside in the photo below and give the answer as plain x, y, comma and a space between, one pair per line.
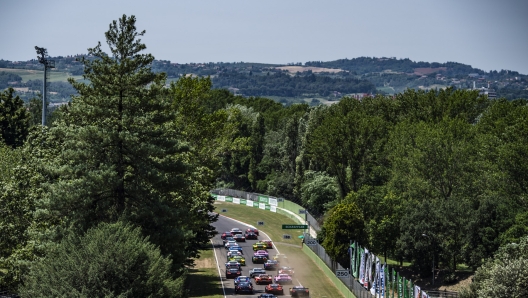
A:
489, 92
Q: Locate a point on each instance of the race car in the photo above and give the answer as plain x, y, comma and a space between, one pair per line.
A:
239, 238
263, 279
232, 253
235, 231
233, 272
271, 265
274, 289
286, 270
256, 272
225, 234
236, 248
230, 243
266, 296
269, 244
260, 246
253, 230
244, 287
242, 279
282, 279
259, 259
233, 264
262, 253
239, 259
228, 238
251, 236
299, 291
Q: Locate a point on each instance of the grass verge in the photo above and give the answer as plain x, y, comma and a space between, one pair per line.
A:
203, 280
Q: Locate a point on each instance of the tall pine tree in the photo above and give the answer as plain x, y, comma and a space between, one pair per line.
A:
121, 157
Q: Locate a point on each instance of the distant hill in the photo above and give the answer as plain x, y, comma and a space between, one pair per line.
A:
313, 82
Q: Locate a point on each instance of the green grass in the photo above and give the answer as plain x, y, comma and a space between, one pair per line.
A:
306, 271
28, 74
204, 282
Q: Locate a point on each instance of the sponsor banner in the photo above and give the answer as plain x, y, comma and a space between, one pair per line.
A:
268, 207
229, 199
243, 202
236, 200
273, 209
262, 206
249, 203
214, 195
263, 199
221, 198
273, 202
255, 204
416, 292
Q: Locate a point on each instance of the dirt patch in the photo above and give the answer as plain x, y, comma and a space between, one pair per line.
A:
295, 69
204, 263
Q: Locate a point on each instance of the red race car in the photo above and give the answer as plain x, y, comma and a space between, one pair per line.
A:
263, 279
274, 289
252, 230
269, 244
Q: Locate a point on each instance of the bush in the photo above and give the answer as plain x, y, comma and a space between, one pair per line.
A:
111, 260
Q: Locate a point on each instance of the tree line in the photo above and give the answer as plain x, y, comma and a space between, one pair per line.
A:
129, 163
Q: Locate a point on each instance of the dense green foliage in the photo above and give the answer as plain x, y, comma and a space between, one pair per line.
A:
504, 275
6, 78
110, 260
14, 119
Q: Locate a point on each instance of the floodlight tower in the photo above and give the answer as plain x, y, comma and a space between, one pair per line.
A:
48, 64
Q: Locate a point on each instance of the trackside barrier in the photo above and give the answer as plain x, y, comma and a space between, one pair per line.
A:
228, 195
337, 282
325, 260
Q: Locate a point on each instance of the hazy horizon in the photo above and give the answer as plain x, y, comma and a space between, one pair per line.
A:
485, 34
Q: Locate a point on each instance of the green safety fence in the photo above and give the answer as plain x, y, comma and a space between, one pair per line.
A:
321, 264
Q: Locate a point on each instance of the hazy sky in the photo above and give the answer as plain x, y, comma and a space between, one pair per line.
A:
486, 34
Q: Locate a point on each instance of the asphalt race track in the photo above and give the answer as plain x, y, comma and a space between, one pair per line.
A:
226, 224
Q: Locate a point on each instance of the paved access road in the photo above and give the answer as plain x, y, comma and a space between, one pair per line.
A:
226, 224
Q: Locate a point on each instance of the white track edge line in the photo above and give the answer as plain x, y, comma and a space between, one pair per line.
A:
218, 267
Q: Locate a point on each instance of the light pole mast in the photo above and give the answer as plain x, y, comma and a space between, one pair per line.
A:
43, 58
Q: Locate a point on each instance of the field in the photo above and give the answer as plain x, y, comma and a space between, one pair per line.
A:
28, 74
305, 269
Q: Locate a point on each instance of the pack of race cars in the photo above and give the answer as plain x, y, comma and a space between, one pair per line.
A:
260, 275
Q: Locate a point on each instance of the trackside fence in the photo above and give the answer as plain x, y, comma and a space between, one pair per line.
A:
349, 282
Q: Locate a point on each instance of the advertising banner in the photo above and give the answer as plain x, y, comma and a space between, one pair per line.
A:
273, 201
249, 203
229, 199
263, 199
273, 209
236, 200
221, 198
262, 206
